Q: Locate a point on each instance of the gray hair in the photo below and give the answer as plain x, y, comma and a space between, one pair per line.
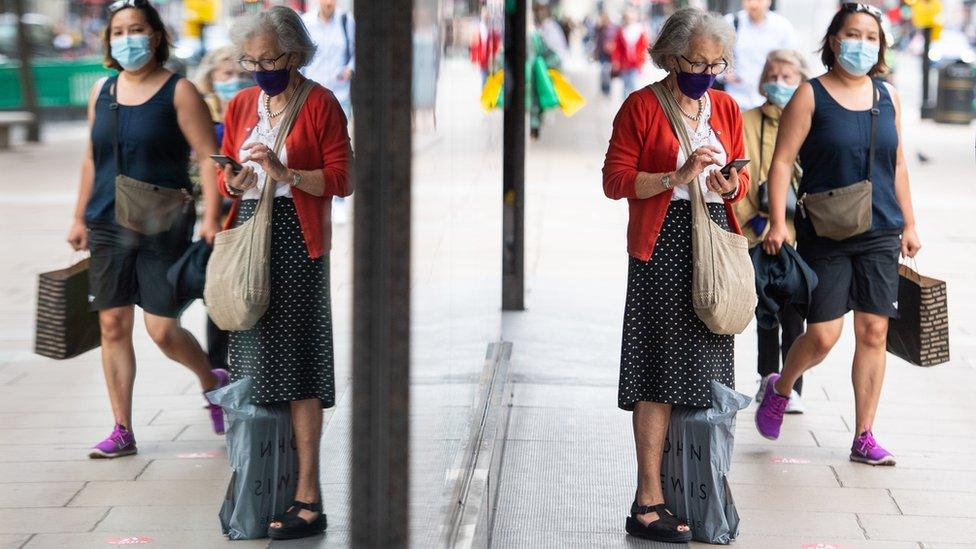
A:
283, 24
790, 57
683, 27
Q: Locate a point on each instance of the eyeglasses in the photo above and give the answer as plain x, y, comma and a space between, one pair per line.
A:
122, 4
857, 7
250, 65
715, 69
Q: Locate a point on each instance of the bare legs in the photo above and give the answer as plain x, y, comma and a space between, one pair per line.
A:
867, 372
650, 430
306, 419
119, 360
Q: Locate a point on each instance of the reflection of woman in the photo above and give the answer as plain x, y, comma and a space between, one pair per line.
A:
785, 70
669, 357
288, 354
158, 119
828, 123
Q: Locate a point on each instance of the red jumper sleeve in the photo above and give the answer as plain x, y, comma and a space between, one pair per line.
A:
739, 151
333, 137
626, 143
227, 147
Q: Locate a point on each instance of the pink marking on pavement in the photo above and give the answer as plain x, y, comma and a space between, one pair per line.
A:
130, 540
797, 461
198, 455
822, 546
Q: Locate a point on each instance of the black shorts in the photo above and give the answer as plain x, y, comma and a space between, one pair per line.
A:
858, 274
128, 268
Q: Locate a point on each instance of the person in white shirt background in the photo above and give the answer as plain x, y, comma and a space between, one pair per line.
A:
334, 34
758, 32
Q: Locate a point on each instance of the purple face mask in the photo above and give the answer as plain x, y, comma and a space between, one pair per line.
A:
694, 85
272, 82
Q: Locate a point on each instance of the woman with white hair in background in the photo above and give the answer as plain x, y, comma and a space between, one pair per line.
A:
288, 354
669, 357
782, 75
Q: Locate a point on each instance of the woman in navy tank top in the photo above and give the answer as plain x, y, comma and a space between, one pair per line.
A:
828, 123
157, 118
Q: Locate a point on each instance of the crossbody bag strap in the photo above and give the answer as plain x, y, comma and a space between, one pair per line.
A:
875, 112
762, 147
114, 107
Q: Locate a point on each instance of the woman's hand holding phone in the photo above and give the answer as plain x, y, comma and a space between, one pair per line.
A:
242, 181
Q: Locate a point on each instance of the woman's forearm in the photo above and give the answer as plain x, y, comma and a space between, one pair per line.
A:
313, 182
84, 188
780, 175
903, 195
652, 184
211, 194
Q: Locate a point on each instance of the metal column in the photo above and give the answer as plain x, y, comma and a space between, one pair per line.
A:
28, 92
513, 170
381, 293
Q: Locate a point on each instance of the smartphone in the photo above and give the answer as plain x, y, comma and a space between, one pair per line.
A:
224, 160
726, 170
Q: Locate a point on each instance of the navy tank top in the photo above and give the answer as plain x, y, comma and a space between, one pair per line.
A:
153, 148
835, 154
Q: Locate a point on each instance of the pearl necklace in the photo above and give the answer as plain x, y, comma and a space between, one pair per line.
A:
267, 108
701, 110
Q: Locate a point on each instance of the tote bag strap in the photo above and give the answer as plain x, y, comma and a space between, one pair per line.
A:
264, 206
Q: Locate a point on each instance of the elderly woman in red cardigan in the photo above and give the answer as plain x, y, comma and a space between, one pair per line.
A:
288, 354
668, 356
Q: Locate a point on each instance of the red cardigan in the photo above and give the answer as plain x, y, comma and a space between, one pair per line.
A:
642, 141
317, 141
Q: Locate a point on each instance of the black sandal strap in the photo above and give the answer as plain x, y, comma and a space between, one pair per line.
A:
313, 507
664, 516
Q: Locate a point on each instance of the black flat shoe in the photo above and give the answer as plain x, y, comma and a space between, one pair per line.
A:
664, 529
295, 527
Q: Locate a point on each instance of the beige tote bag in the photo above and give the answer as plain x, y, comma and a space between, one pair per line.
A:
723, 289
238, 287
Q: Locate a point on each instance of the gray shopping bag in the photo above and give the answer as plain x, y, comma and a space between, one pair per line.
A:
697, 458
261, 451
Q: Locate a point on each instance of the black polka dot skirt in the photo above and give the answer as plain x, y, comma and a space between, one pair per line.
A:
668, 354
288, 353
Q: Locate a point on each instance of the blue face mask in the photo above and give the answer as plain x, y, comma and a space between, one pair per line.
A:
132, 51
858, 57
779, 94
227, 89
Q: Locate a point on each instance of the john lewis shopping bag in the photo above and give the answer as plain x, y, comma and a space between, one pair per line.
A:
920, 334
697, 459
261, 452
65, 324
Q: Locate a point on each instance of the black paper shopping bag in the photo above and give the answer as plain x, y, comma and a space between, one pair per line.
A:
65, 324
920, 334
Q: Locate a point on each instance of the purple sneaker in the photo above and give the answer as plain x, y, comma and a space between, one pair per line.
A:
867, 450
119, 443
216, 412
769, 415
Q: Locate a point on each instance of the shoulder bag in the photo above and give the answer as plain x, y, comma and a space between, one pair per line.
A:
839, 214
723, 290
238, 286
143, 207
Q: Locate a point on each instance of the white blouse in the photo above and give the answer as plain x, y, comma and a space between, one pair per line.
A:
703, 136
264, 133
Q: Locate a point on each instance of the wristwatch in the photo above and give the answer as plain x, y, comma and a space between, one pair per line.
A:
731, 194
666, 182
296, 178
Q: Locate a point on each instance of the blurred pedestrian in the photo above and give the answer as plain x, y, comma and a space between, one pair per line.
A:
288, 353
604, 41
630, 50
833, 124
486, 46
144, 123
333, 31
785, 70
552, 33
758, 32
669, 357
219, 78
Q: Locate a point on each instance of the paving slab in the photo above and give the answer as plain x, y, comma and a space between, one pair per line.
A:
815, 525
202, 468
777, 474
162, 518
157, 540
753, 541
861, 476
42, 520
817, 499
924, 529
13, 541
80, 470
38, 494
150, 493
935, 503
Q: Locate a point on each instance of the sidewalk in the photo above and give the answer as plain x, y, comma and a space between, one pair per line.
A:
568, 474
